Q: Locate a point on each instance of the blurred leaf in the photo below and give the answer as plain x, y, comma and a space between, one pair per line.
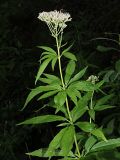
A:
99, 134
86, 126
89, 143
117, 66
104, 49
69, 55
60, 98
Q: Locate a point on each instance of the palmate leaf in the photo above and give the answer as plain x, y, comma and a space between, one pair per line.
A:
78, 75
43, 119
110, 144
69, 71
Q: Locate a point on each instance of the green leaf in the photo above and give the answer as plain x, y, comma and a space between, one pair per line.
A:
99, 134
69, 71
78, 112
83, 86
52, 77
43, 119
109, 145
54, 62
71, 93
103, 107
31, 95
67, 140
117, 66
78, 75
67, 49
104, 100
42, 68
89, 143
60, 98
86, 126
92, 114
48, 94
47, 49
69, 55
55, 143
104, 49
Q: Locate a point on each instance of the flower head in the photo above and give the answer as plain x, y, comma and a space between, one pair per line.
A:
93, 79
56, 21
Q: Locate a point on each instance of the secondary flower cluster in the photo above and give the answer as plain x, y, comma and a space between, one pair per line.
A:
56, 21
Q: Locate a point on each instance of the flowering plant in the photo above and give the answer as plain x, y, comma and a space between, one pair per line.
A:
71, 98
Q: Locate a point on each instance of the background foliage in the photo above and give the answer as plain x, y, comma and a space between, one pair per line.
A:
21, 32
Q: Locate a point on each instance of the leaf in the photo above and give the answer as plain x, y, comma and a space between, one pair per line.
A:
86, 126
48, 94
104, 49
71, 94
69, 71
109, 145
44, 153
60, 98
78, 75
47, 49
99, 134
52, 77
69, 55
67, 49
53, 63
43, 119
31, 95
42, 68
78, 112
67, 140
89, 143
92, 114
117, 66
83, 86
103, 107
55, 143
104, 100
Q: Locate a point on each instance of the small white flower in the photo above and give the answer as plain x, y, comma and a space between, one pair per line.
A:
56, 21
93, 79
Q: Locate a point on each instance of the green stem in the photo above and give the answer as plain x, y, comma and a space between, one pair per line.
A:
91, 105
62, 81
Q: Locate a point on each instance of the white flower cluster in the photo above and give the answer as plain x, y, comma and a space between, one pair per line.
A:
93, 79
56, 21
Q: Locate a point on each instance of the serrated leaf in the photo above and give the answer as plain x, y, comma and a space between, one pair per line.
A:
41, 69
103, 100
43, 119
109, 145
69, 55
89, 143
103, 107
86, 126
48, 94
69, 71
53, 63
60, 98
67, 140
99, 134
47, 49
83, 86
78, 75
